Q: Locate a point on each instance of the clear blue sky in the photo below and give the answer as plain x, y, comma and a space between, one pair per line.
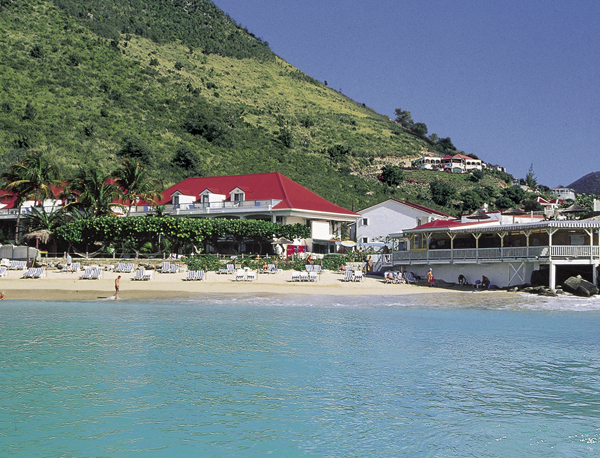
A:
516, 82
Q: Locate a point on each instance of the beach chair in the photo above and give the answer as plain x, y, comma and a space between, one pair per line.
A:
166, 268
409, 277
317, 269
120, 267
96, 273
191, 275
29, 273
271, 268
295, 276
313, 276
75, 267
87, 273
303, 276
240, 275
3, 271
174, 268
308, 267
139, 274
147, 275
39, 272
358, 275
13, 265
231, 269
348, 275
127, 268
200, 274
251, 275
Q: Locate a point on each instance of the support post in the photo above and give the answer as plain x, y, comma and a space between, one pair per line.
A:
552, 284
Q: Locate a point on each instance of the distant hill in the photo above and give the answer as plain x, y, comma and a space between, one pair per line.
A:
181, 87
588, 184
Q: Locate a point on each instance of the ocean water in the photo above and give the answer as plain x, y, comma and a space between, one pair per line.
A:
462, 375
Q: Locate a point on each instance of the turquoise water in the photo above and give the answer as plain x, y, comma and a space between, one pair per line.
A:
475, 375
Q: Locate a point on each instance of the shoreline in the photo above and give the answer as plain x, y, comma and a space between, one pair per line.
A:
58, 285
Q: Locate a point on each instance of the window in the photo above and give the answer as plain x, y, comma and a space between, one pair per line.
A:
279, 219
365, 221
239, 197
364, 240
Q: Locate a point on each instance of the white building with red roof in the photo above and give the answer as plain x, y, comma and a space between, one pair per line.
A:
263, 196
460, 163
378, 221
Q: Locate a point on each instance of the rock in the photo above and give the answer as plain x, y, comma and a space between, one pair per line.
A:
580, 287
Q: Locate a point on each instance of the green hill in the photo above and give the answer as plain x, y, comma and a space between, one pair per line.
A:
179, 86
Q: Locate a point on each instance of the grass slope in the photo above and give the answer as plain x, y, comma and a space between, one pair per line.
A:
73, 86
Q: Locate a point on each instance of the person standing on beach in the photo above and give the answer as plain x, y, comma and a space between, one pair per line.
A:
69, 260
430, 279
118, 279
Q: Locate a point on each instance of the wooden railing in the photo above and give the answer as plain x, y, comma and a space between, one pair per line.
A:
498, 254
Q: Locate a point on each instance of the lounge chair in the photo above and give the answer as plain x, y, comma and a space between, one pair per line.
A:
358, 275
191, 275
251, 275
348, 275
125, 268
410, 278
166, 268
240, 275
139, 274
200, 274
3, 271
271, 268
39, 273
96, 273
295, 276
303, 276
174, 268
231, 269
309, 267
313, 276
147, 275
29, 273
317, 269
87, 273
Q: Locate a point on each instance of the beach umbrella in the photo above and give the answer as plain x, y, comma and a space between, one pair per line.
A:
514, 212
574, 209
478, 215
43, 235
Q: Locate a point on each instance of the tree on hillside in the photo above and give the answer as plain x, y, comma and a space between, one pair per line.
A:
34, 176
136, 150
404, 118
442, 193
530, 179
135, 183
391, 175
446, 143
420, 128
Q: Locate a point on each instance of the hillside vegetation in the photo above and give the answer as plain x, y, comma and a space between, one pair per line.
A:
180, 87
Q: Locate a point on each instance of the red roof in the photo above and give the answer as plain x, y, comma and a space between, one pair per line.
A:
260, 186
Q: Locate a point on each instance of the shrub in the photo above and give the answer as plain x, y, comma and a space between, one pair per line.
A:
37, 52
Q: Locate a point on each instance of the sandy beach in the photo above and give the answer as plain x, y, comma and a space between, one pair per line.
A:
59, 285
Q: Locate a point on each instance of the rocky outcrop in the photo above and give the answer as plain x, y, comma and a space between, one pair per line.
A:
580, 287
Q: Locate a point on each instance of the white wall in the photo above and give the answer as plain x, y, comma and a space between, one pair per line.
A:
387, 218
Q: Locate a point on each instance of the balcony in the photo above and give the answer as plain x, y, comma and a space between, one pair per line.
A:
467, 255
214, 208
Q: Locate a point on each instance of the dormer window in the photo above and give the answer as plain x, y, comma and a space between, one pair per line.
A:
237, 195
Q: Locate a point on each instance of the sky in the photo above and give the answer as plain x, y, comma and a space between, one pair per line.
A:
516, 82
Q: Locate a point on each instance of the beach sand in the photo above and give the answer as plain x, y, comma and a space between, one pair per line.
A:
59, 285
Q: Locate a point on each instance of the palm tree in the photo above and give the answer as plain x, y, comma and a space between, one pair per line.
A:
42, 223
33, 176
135, 183
92, 190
